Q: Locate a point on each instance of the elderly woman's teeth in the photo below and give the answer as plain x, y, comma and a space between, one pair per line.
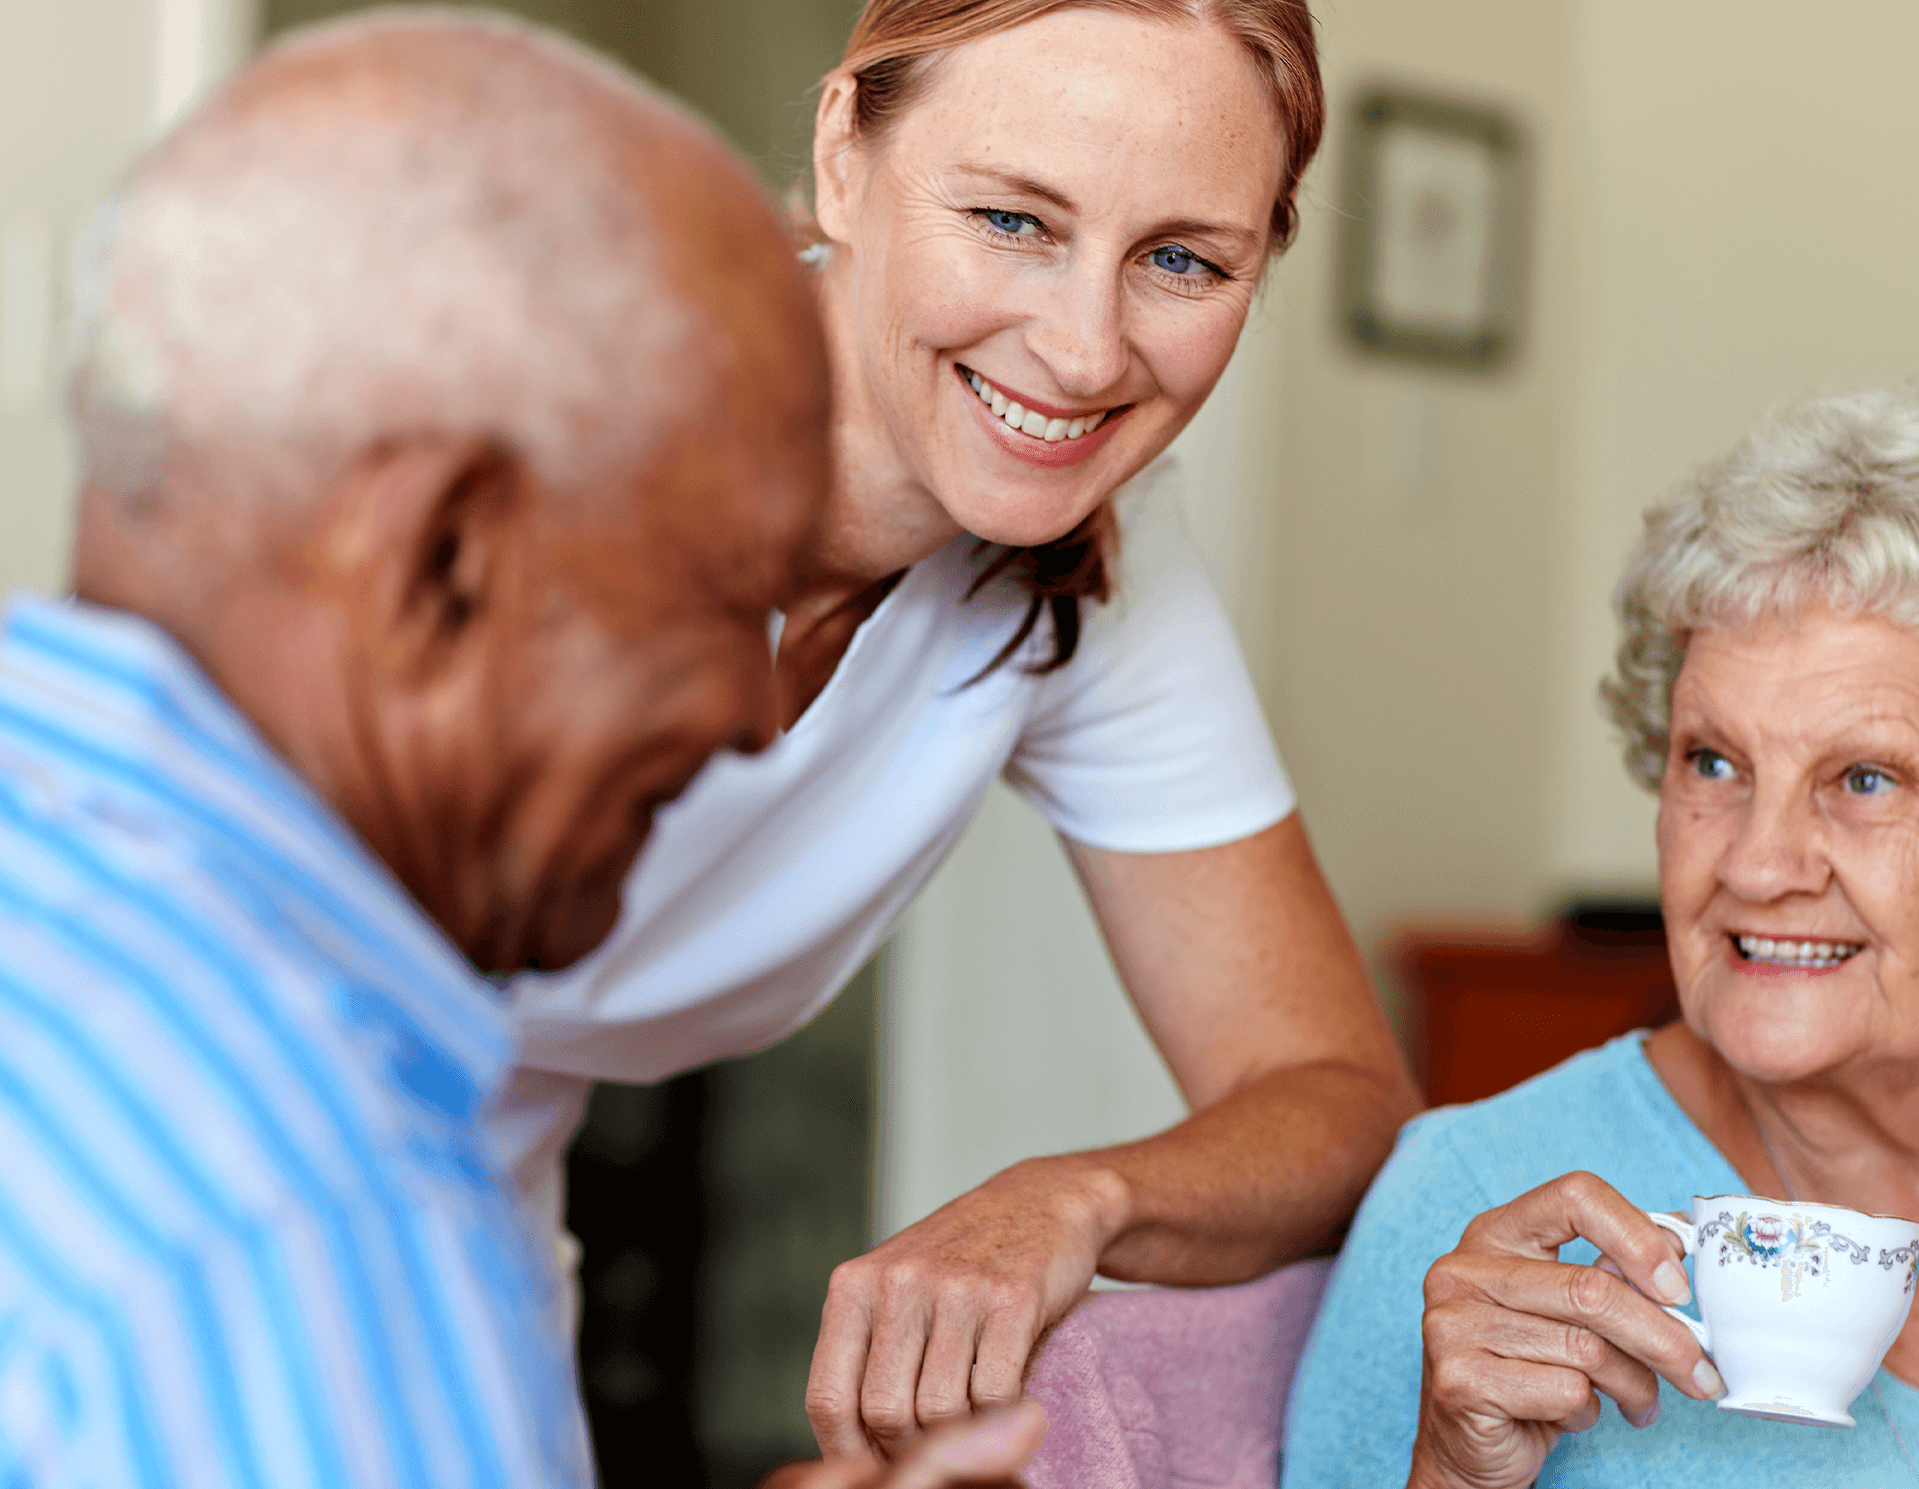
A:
1811, 954
1031, 421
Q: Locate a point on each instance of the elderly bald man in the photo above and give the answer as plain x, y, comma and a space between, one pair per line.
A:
450, 412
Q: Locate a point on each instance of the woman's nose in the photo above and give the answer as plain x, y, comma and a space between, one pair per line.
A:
1779, 850
1079, 332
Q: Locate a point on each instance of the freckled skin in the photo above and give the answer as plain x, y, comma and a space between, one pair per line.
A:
1150, 131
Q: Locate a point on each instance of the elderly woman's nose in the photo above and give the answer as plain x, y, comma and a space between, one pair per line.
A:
1079, 333
1778, 849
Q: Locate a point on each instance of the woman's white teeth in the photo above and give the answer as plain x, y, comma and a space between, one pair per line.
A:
1786, 953
1031, 421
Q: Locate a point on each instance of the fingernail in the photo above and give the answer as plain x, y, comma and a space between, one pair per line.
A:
1670, 1279
1708, 1381
1651, 1416
989, 1446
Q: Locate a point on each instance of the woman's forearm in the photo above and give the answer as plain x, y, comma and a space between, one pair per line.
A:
1270, 1173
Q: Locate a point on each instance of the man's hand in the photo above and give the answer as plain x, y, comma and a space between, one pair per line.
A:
986, 1452
938, 1323
1519, 1346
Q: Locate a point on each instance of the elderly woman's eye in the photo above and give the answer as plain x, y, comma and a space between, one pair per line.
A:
1711, 764
1868, 780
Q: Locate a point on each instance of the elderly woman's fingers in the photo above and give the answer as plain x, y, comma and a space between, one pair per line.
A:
1473, 1337
1586, 1299
839, 1366
1582, 1205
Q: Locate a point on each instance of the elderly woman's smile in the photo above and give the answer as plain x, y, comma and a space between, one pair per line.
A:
1789, 838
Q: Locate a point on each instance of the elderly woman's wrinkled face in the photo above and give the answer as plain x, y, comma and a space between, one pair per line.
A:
1789, 842
1051, 255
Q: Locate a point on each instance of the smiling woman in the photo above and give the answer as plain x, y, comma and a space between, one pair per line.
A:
1039, 228
1768, 688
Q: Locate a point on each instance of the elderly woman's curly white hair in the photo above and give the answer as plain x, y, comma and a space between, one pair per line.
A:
1818, 504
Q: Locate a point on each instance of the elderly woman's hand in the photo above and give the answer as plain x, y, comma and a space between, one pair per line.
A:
939, 1321
1519, 1345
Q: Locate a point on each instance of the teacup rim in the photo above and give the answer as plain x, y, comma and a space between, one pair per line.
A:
1803, 1204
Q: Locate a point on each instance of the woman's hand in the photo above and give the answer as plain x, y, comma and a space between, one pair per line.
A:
1250, 986
1519, 1345
938, 1323
990, 1452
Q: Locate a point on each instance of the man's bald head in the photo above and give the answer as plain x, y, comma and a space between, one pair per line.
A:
459, 404
411, 219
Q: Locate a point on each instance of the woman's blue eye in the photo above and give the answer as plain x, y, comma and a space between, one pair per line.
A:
1175, 260
1712, 765
1013, 224
1864, 780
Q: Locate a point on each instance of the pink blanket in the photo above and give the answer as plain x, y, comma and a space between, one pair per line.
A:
1174, 1389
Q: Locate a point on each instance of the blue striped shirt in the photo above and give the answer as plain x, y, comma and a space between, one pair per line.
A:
250, 1232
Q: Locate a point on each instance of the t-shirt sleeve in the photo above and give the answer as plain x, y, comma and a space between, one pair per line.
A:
1151, 740
1355, 1402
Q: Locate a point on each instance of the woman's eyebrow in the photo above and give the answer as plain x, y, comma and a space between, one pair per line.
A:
1024, 185
1197, 227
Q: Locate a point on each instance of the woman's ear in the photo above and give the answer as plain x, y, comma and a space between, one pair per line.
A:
835, 158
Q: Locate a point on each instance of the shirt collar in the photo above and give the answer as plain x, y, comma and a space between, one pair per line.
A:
121, 697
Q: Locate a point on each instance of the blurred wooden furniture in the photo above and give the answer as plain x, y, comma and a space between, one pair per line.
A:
1488, 1006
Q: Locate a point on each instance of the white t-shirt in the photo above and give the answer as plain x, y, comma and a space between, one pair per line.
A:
768, 884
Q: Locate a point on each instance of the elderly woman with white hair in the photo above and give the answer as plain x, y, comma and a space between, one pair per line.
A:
1768, 689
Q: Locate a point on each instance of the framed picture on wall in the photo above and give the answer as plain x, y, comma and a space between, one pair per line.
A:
1433, 237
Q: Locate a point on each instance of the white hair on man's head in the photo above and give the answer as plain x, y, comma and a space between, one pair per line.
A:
415, 220
1818, 504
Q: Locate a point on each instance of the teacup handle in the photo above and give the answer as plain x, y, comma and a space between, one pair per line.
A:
1689, 1239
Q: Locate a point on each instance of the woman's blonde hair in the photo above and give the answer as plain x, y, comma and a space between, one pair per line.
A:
1818, 504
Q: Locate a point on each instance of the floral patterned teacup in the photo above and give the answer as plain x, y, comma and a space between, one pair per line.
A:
1799, 1302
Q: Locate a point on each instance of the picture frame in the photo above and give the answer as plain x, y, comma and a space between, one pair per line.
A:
1433, 237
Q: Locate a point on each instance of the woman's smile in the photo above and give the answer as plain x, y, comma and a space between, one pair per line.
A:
1779, 953
1039, 433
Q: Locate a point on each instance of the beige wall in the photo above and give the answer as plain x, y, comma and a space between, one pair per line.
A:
1411, 655
83, 84
1419, 563
74, 102
1748, 212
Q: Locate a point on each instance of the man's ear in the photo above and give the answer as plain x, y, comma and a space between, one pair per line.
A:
425, 528
835, 157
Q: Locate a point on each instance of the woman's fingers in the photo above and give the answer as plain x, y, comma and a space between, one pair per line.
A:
1582, 1205
902, 1328
941, 1320
1520, 1346
1480, 1337
1596, 1304
839, 1366
1012, 1328
946, 1375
